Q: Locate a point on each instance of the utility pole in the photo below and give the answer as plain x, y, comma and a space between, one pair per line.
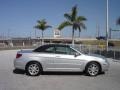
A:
107, 25
35, 34
97, 30
110, 33
10, 41
8, 34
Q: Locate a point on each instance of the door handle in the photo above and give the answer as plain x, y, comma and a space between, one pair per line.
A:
57, 56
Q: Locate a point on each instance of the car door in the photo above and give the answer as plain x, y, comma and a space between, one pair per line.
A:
46, 56
65, 59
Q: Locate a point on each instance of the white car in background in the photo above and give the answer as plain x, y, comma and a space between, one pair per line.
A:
57, 57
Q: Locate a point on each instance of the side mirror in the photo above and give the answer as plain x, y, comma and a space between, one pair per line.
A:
76, 54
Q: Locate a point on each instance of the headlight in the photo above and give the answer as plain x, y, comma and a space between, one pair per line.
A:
105, 60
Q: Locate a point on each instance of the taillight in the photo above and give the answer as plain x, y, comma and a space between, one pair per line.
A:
18, 55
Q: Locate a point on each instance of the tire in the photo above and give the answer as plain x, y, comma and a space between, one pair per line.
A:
92, 69
33, 69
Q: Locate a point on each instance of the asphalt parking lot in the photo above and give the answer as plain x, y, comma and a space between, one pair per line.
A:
12, 80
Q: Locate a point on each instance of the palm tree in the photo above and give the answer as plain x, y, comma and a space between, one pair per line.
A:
118, 21
76, 22
42, 25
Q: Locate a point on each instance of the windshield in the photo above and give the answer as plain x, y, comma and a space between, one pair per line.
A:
79, 49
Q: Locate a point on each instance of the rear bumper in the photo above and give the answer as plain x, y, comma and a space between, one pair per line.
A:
19, 64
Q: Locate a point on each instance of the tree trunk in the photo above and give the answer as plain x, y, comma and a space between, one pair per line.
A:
42, 38
73, 37
42, 34
79, 33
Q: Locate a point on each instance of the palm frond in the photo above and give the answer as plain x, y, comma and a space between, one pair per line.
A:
79, 25
74, 13
42, 25
68, 16
47, 26
81, 18
43, 21
64, 24
75, 27
79, 28
83, 25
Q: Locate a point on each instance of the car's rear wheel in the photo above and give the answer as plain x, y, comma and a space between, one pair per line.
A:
33, 69
92, 69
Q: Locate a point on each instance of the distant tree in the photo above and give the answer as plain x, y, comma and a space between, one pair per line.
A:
76, 22
118, 21
42, 25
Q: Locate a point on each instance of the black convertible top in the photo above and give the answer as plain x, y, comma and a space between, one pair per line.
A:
42, 47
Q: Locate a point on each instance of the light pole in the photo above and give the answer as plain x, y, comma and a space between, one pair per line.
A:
107, 25
8, 34
10, 38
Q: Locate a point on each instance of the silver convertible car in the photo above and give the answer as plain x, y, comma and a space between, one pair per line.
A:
55, 57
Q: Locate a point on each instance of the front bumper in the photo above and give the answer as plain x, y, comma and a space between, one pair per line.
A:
105, 66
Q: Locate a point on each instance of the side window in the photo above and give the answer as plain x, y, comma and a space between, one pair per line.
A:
64, 50
60, 50
45, 49
49, 50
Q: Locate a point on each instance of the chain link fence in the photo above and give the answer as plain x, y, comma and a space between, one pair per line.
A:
113, 52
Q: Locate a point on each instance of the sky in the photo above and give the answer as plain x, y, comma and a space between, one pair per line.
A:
18, 17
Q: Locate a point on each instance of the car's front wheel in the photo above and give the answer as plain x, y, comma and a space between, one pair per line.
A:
92, 69
33, 69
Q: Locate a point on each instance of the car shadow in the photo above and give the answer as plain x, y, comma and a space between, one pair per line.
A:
62, 73
18, 71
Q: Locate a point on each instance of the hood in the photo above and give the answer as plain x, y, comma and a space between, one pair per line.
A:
95, 56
